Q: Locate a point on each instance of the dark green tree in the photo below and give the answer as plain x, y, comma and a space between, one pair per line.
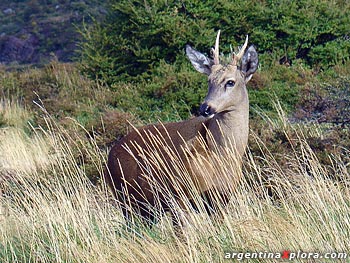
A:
142, 42
136, 35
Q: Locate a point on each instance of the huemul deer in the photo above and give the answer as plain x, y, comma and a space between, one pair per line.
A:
223, 123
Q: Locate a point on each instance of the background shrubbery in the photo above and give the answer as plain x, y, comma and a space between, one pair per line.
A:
143, 42
137, 35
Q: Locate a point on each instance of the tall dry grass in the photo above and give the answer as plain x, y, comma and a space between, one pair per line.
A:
54, 214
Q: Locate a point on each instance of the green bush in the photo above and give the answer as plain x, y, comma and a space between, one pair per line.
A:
174, 92
137, 34
140, 45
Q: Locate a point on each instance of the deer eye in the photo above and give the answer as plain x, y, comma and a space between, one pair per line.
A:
229, 84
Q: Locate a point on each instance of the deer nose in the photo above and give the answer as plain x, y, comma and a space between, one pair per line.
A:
205, 110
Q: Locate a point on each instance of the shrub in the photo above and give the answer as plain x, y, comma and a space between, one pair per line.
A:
142, 43
173, 92
136, 35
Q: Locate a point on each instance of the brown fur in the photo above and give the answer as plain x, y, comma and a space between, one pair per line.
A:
190, 139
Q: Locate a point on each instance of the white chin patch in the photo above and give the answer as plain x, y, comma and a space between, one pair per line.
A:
210, 116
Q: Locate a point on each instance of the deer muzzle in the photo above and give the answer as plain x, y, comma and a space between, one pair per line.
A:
206, 110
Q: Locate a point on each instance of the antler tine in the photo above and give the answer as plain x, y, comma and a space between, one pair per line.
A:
216, 50
239, 55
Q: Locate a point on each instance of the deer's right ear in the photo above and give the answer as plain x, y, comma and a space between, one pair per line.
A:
200, 62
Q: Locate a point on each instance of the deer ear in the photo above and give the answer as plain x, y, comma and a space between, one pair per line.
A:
200, 62
250, 63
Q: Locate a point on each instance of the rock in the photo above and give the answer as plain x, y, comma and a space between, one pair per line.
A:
8, 11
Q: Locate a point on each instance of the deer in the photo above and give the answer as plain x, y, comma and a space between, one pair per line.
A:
223, 122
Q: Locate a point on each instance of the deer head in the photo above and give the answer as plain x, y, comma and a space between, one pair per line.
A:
227, 82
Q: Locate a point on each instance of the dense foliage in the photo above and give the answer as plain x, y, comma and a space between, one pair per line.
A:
136, 35
143, 42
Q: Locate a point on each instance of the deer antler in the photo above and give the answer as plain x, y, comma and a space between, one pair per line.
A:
216, 50
237, 57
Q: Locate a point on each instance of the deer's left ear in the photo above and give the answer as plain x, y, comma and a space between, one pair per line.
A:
250, 63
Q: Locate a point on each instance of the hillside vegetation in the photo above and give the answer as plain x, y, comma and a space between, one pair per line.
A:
58, 122
34, 31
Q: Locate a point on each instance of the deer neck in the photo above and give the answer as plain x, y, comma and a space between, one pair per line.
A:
231, 128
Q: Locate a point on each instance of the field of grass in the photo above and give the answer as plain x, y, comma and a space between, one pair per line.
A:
51, 212
56, 128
